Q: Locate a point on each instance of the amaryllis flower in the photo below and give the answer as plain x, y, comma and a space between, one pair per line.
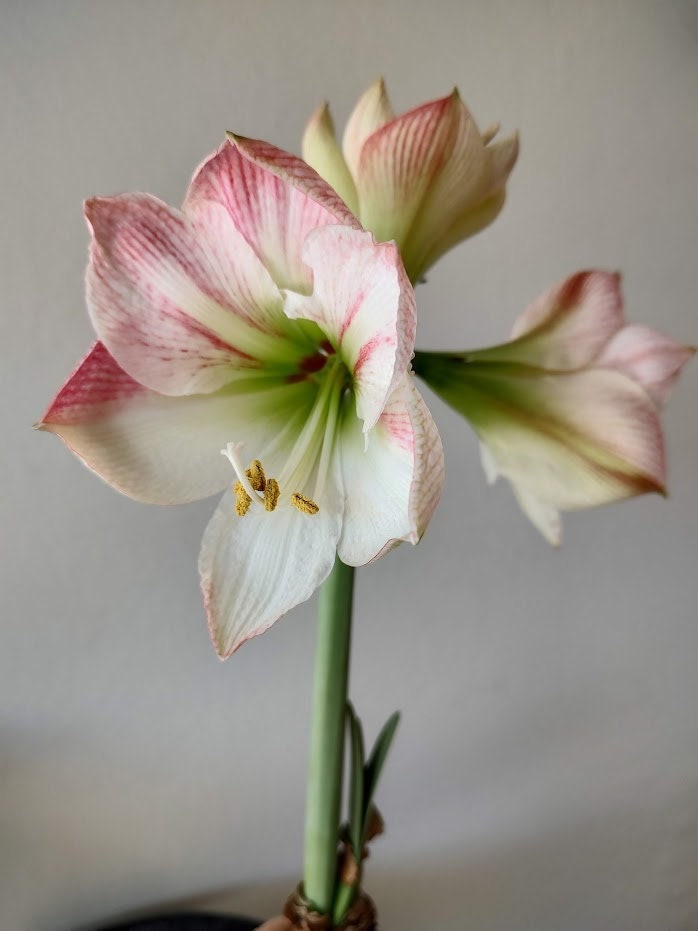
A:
568, 410
257, 339
427, 179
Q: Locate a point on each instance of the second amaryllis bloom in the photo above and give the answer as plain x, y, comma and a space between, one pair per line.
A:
568, 411
427, 179
257, 339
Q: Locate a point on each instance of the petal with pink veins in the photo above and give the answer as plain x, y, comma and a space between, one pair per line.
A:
568, 325
427, 178
648, 357
274, 199
371, 113
568, 412
160, 449
295, 173
398, 165
165, 302
573, 440
460, 181
463, 203
393, 484
364, 304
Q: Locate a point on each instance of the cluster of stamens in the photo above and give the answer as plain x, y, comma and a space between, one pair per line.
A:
266, 490
260, 483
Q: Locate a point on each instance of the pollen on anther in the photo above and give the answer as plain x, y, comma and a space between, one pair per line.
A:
242, 499
271, 494
305, 505
256, 475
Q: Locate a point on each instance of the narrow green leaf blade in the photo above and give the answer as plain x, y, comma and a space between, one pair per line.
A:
356, 781
374, 766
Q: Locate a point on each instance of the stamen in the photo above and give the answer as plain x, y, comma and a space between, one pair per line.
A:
305, 505
242, 499
253, 485
256, 475
271, 494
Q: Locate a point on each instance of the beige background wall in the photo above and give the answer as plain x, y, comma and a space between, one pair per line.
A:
546, 773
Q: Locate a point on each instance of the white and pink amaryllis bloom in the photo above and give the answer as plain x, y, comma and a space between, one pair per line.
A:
568, 411
258, 339
427, 179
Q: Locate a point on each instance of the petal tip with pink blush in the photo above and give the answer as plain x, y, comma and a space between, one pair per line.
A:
237, 139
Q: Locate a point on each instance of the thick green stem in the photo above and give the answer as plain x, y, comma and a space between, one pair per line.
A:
327, 737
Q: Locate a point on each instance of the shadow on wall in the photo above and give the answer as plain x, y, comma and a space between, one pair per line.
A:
589, 843
647, 882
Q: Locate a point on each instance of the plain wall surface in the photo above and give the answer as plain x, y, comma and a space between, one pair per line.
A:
545, 776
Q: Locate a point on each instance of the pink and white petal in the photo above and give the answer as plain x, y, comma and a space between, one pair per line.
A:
462, 180
393, 484
322, 152
274, 199
155, 448
295, 172
577, 440
371, 112
429, 474
650, 358
157, 301
256, 568
568, 326
398, 166
467, 196
613, 422
364, 304
239, 280
546, 469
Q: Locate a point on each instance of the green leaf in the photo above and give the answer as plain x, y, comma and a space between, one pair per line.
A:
374, 767
343, 901
356, 781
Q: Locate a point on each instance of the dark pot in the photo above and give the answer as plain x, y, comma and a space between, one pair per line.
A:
186, 921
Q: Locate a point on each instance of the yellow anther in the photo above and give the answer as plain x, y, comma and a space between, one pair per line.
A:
242, 499
271, 494
306, 505
256, 475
